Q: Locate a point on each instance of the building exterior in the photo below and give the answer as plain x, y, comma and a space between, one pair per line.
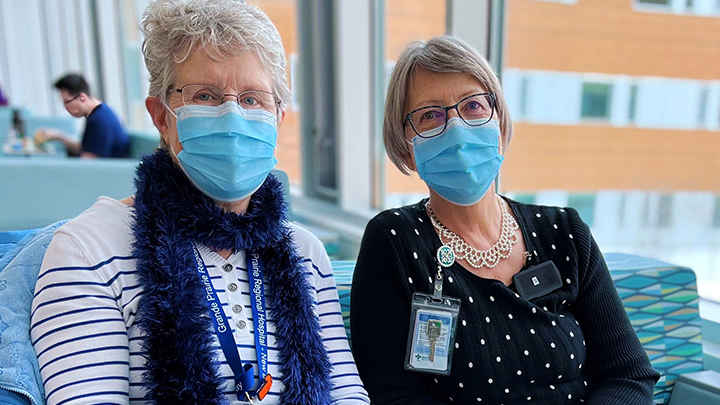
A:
613, 94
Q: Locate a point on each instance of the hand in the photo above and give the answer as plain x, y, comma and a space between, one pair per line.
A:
43, 135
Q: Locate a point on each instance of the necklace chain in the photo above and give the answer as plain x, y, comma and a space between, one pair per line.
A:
477, 258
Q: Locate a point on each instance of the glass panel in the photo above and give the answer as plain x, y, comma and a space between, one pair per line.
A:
702, 107
660, 2
585, 206
283, 13
136, 75
665, 211
619, 141
523, 97
633, 102
407, 21
596, 100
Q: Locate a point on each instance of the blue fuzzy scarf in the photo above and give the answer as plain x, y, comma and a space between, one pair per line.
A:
170, 214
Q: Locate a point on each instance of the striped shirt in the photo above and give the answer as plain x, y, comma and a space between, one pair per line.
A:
86, 300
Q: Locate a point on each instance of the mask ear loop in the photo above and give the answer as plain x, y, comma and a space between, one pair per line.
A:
170, 111
174, 115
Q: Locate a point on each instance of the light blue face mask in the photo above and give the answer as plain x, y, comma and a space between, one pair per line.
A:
462, 162
228, 151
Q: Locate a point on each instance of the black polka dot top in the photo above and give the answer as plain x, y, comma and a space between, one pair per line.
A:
574, 345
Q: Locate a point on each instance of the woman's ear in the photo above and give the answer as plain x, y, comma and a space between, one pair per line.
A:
158, 112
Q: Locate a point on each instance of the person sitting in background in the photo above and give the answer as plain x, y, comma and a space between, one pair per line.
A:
104, 136
516, 341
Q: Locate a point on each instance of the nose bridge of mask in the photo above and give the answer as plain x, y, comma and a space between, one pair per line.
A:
197, 121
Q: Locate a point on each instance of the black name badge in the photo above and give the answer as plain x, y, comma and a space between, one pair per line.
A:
538, 280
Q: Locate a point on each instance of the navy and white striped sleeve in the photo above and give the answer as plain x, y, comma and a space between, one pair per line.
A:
347, 387
77, 327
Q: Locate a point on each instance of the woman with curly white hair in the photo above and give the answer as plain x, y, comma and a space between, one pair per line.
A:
197, 290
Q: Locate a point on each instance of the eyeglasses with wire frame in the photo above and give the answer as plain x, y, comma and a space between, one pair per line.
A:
430, 121
72, 99
206, 95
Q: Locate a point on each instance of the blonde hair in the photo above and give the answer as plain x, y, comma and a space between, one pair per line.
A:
174, 29
440, 55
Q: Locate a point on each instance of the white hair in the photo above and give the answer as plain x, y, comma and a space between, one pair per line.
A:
439, 55
174, 29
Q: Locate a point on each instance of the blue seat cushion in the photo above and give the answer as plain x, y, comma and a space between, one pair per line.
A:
9, 239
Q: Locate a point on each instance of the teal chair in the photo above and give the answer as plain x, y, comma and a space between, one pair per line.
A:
44, 191
142, 143
5, 124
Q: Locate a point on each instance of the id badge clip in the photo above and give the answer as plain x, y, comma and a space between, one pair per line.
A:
263, 388
433, 326
538, 280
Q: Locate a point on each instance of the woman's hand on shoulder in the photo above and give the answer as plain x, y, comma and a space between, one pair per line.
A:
129, 201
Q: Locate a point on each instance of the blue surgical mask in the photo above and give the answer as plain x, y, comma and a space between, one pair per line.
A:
228, 151
462, 162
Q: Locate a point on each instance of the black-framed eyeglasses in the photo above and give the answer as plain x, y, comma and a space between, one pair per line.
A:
203, 94
475, 110
72, 99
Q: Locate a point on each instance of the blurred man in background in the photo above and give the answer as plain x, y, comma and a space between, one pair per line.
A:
103, 136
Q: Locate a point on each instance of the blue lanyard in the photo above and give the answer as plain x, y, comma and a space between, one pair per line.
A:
244, 373
257, 291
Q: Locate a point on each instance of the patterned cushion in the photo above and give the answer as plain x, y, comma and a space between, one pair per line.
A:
661, 300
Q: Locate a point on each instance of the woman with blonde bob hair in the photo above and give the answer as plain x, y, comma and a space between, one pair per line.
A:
471, 297
197, 290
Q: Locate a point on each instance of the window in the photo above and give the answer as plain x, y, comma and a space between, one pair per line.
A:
596, 100
524, 96
702, 107
524, 198
649, 159
622, 206
136, 75
294, 67
655, 2
283, 14
407, 21
665, 211
585, 206
561, 1
633, 103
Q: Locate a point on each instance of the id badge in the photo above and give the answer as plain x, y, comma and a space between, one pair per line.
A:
431, 339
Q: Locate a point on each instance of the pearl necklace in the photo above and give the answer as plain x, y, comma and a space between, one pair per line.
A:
477, 258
